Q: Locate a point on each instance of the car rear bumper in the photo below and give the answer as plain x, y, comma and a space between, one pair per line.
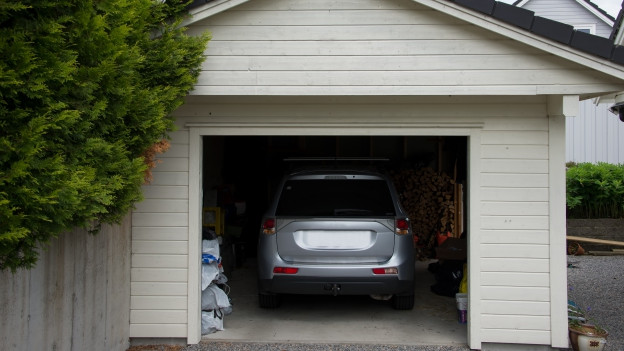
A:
336, 285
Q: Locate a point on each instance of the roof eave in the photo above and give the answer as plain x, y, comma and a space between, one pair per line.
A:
209, 9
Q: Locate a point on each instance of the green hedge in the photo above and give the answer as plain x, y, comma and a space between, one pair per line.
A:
595, 190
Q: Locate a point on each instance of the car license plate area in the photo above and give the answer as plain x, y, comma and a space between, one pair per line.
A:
334, 239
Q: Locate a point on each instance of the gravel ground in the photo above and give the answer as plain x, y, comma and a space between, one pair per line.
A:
594, 282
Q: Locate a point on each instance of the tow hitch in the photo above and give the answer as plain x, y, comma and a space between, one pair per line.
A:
334, 288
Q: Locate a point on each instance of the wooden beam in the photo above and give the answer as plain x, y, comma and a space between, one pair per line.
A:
594, 241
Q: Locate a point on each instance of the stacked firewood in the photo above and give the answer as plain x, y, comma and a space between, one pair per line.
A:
429, 199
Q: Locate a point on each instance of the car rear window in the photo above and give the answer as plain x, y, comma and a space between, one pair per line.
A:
336, 197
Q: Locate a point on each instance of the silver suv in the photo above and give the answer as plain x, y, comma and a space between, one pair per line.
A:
336, 232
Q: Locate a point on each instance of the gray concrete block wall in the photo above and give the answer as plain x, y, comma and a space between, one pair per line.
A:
76, 298
602, 228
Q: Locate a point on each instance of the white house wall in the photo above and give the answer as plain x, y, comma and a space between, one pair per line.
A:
372, 47
570, 12
595, 136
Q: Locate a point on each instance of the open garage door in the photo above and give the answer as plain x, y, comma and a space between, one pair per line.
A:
240, 174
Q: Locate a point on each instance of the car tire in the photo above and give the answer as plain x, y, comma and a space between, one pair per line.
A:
268, 300
403, 302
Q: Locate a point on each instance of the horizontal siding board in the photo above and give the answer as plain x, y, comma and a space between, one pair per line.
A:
515, 279
520, 265
394, 90
162, 206
172, 164
159, 275
159, 219
163, 302
328, 18
514, 251
169, 178
159, 261
419, 31
514, 194
489, 321
328, 5
362, 48
515, 336
527, 137
160, 233
176, 150
498, 208
372, 63
158, 289
518, 308
160, 247
165, 192
514, 180
389, 78
158, 316
158, 330
514, 166
536, 237
515, 222
394, 109
532, 152
515, 293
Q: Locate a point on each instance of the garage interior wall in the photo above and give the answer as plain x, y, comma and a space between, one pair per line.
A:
508, 137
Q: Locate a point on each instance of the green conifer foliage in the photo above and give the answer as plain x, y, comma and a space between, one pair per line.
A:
86, 88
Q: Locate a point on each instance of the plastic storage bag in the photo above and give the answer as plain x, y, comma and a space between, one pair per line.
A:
211, 321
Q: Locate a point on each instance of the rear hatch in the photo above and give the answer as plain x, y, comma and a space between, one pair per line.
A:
341, 219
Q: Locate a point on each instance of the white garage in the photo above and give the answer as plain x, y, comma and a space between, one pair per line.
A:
366, 70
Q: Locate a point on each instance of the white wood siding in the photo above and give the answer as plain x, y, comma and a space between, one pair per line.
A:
373, 47
570, 12
512, 295
514, 235
596, 135
158, 303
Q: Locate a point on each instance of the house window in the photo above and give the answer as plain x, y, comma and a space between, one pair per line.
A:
587, 28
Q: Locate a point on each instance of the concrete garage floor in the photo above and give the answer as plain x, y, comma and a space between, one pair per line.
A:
342, 319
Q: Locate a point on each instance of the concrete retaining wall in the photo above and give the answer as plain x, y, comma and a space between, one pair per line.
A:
76, 298
603, 228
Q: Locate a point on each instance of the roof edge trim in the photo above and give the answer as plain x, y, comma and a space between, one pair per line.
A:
209, 9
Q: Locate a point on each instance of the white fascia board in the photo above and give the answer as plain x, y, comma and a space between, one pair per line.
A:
597, 13
619, 38
210, 9
522, 3
515, 33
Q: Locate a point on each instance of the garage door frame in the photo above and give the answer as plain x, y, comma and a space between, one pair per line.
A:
418, 128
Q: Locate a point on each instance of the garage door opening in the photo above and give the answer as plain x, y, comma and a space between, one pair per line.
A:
240, 174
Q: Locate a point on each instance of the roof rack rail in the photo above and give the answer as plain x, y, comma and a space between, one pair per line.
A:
362, 159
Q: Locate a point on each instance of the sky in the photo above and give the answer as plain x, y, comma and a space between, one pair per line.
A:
612, 7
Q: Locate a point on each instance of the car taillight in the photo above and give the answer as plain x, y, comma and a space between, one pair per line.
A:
389, 270
268, 226
285, 270
401, 226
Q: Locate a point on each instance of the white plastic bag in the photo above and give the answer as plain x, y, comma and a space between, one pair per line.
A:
210, 272
211, 321
213, 298
211, 247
